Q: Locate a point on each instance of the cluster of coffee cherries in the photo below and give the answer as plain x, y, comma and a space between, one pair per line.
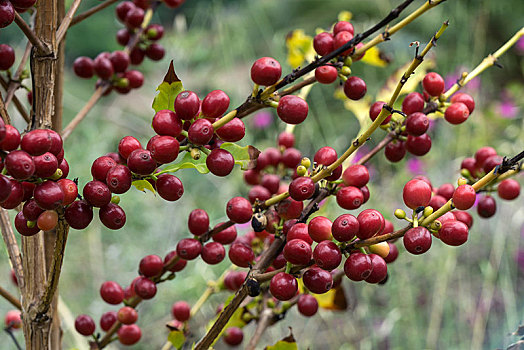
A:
8, 8
473, 168
411, 130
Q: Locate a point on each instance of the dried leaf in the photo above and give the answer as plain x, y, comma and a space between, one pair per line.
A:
167, 91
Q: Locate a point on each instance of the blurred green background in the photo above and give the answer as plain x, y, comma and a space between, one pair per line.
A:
448, 298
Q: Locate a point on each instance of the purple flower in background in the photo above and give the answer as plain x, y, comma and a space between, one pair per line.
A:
415, 166
262, 120
361, 152
507, 109
520, 45
451, 79
519, 259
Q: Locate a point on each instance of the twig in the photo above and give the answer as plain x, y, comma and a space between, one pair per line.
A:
9, 331
99, 92
10, 298
264, 321
15, 82
206, 236
385, 141
79, 18
12, 247
16, 101
66, 22
3, 111
39, 44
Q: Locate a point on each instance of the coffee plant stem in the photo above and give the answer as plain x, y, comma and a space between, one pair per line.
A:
10, 298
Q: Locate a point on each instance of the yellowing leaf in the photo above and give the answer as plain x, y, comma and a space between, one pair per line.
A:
345, 16
334, 299
288, 343
373, 57
167, 91
300, 48
143, 185
177, 339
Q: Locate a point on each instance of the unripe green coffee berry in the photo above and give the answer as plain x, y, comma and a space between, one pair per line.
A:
115, 199
305, 162
345, 70
428, 211
31, 224
348, 61
462, 181
400, 214
301, 170
465, 173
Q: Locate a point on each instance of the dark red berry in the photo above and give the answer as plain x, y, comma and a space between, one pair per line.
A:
181, 311
413, 103
103, 67
101, 166
19, 165
292, 109
317, 280
232, 131
154, 31
151, 265
21, 225
395, 151
226, 236
155, 52
437, 201
417, 124
123, 8
84, 67
380, 269
418, 145
319, 228
299, 231
417, 240
119, 179
220, 162
340, 39
325, 156
85, 325
297, 252
486, 206
107, 320
179, 263
233, 336
393, 253
241, 255
465, 99
198, 222
492, 162
134, 17
127, 145
169, 187
200, 132
286, 139
482, 155
433, 84
289, 209
375, 110
187, 105
189, 248
453, 233
283, 286
266, 71
326, 74
97, 193
345, 228
416, 193
358, 267
111, 292
323, 43
355, 88
11, 140
112, 216
446, 190
129, 334
215, 104
464, 197
508, 189
370, 222
141, 162
239, 210
7, 54
166, 122
127, 315
307, 305
164, 149
213, 253
356, 175
464, 217
457, 113
327, 255
301, 188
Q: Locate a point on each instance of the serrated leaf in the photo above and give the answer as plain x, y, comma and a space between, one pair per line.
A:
187, 162
143, 185
167, 91
288, 343
176, 338
246, 156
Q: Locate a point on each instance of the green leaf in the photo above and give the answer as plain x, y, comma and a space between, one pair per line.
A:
288, 343
187, 162
143, 185
246, 156
167, 91
176, 338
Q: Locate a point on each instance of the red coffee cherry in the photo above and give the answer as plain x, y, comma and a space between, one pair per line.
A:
7, 54
464, 197
107, 320
79, 214
164, 149
129, 334
11, 140
127, 315
119, 60
395, 151
241, 254
289, 209
220, 162
323, 43
416, 193
22, 228
486, 206
31, 210
19, 165
84, 67
350, 197
239, 210
112, 216
380, 269
358, 267
145, 288
119, 179
291, 157
213, 253
286, 139
299, 231
292, 109
375, 110
101, 166
198, 222
233, 336
169, 187
326, 74
266, 71
97, 193
340, 39
188, 248
417, 124
317, 280
187, 105
215, 104
134, 17
446, 190
166, 122
47, 220
141, 162
297, 252
103, 66
464, 217
45, 165
325, 156
342, 26
453, 233
356, 175
319, 228
413, 103
301, 188
307, 305
433, 84
464, 98
85, 325
127, 145
482, 155
417, 240
418, 145
508, 189
15, 196
111, 292
283, 286
355, 88
200, 132
370, 223
437, 201
151, 265
233, 131
123, 8
327, 255
457, 113
48, 195
226, 236
492, 162
258, 193
345, 228
155, 52
181, 311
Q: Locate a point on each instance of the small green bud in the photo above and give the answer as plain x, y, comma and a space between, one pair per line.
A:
462, 181
301, 170
31, 224
465, 173
305, 162
345, 70
348, 61
428, 211
57, 175
400, 214
115, 199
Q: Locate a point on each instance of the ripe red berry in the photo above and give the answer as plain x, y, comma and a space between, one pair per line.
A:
297, 252
188, 248
340, 39
418, 145
413, 103
342, 26
101, 166
127, 145
482, 155
145, 288
198, 222
464, 197
380, 269
299, 231
200, 132
166, 122
123, 8
323, 43
327, 255
85, 325
283, 286
239, 210
289, 209
301, 188
325, 156
370, 223
355, 88
350, 197
375, 110
446, 190
286, 139
155, 52
181, 311
358, 267
319, 228
103, 67
84, 67
11, 140
464, 217
266, 71
486, 206
79, 214
292, 109
107, 320
393, 253
307, 305
326, 74
433, 84
7, 54
453, 233
317, 280
457, 113
416, 193
213, 253
151, 265
129, 334
464, 98
395, 151
141, 162
241, 254
119, 179
492, 162
19, 165
187, 105
111, 292
48, 195
127, 315
233, 131
345, 228
356, 175
220, 162
112, 216
97, 193
233, 336
164, 149
437, 201
508, 189
226, 236
215, 104
417, 124
134, 17
417, 240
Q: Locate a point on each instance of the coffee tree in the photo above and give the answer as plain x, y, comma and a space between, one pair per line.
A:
291, 256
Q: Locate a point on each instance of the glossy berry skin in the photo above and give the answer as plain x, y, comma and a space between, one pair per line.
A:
319, 228
299, 231
464, 197
119, 179
340, 39
482, 155
486, 206
464, 217
395, 151
181, 311
141, 162
220, 162
393, 253
226, 236
112, 216
323, 43
14, 196
453, 233
233, 336
19, 165
37, 142
233, 131
355, 88
166, 122
301, 188
151, 265
508, 189
188, 248
283, 286
48, 195
7, 16
437, 202
145, 288
31, 210
187, 105
200, 132
297, 252
371, 223
7, 54
22, 228
418, 145
413, 103
179, 265
433, 84
345, 228
317, 280
446, 190
101, 166
164, 149
258, 193
198, 222
375, 110
343, 26
85, 325
356, 175
417, 240
325, 156
326, 74
107, 320
380, 269
350, 197
79, 214
215, 104
84, 67
307, 305
127, 315
358, 267
292, 109
492, 162
465, 99
111, 292
327, 255
239, 210
213, 253
127, 145
456, 113
11, 140
266, 71
416, 193
103, 67
289, 209
417, 124
241, 255
169, 187
129, 334
97, 193
47, 220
